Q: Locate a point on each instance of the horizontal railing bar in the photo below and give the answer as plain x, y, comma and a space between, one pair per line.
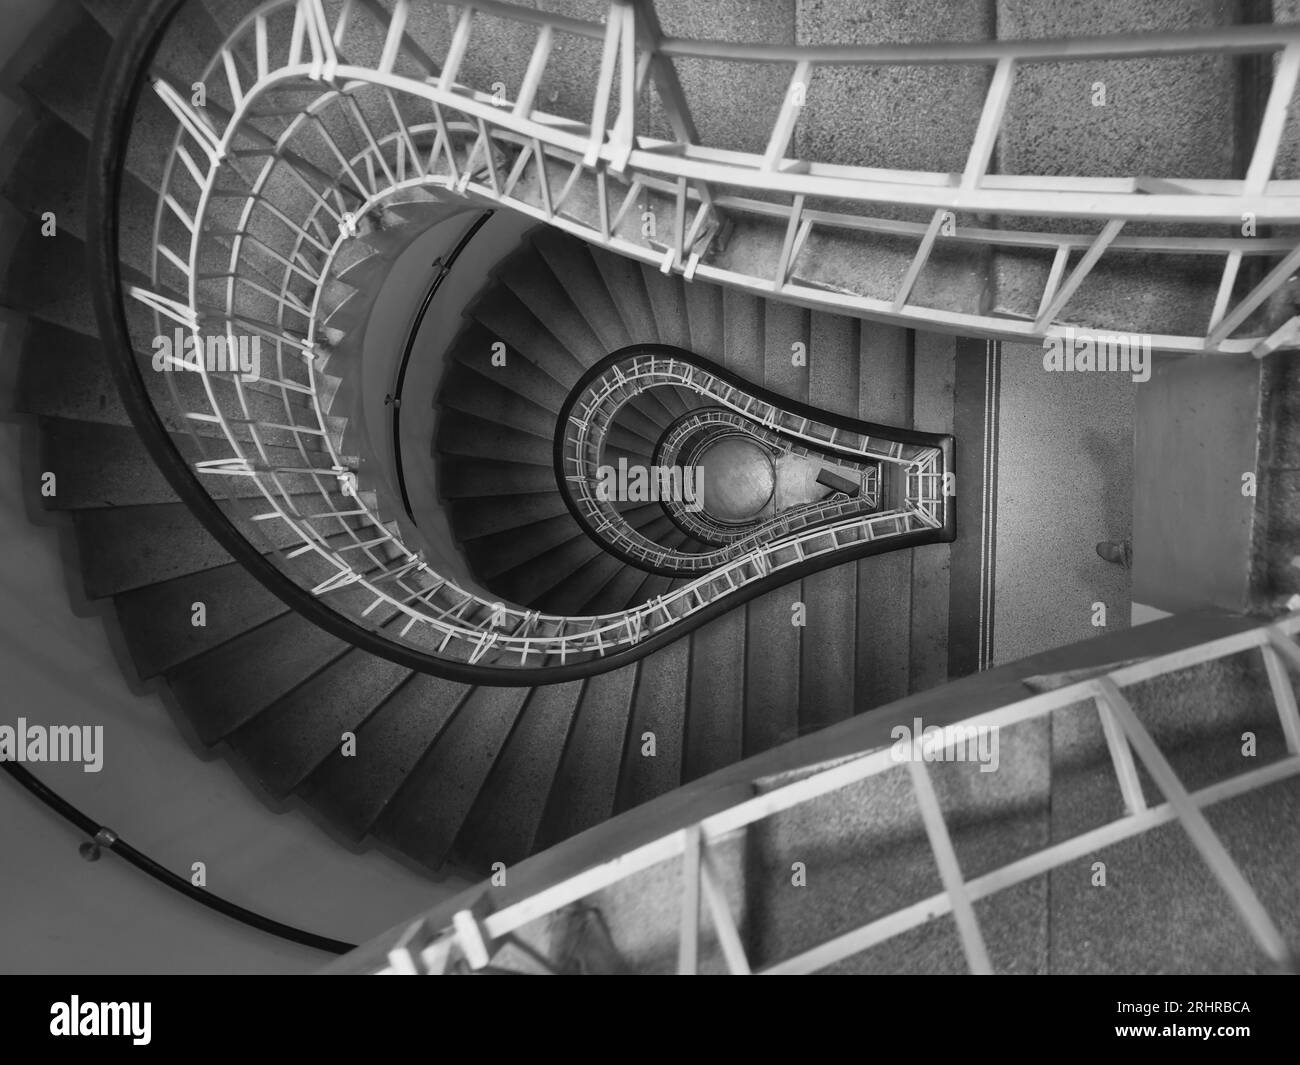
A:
1222, 40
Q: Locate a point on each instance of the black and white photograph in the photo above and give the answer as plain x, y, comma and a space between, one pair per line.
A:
650, 487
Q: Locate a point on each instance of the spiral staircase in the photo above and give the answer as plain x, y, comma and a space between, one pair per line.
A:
461, 655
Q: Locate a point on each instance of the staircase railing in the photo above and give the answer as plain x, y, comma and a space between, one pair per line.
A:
683, 443
306, 135
592, 410
259, 214
469, 938
609, 161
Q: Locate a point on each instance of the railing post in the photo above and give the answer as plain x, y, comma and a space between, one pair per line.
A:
689, 944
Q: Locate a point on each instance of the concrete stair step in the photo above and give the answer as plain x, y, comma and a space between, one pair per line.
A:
123, 548
45, 279
742, 329
502, 824
473, 350
480, 438
483, 516
47, 173
231, 684
528, 583
99, 465
623, 591
668, 302
493, 401
481, 478
772, 674
586, 781
784, 327
296, 733
582, 593
555, 304
507, 318
658, 707
885, 395
62, 373
494, 557
575, 265
157, 620
423, 819
65, 81
829, 648
715, 713
625, 281
706, 320
353, 791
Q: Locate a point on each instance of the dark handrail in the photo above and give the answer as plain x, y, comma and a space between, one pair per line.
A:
444, 267
944, 534
124, 79
104, 837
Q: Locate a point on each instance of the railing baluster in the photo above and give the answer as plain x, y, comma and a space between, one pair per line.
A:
791, 105
1079, 273
456, 50
605, 82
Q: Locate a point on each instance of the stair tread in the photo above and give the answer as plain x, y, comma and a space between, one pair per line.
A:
475, 517
658, 707
715, 714
231, 684
573, 263
354, 791
296, 733
503, 822
424, 817
157, 620
586, 782
122, 548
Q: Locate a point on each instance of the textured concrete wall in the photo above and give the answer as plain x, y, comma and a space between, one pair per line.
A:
1197, 434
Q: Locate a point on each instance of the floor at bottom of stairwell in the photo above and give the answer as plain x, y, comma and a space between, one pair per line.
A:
1065, 482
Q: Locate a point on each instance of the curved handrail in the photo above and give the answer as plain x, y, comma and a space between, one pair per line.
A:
594, 401
444, 267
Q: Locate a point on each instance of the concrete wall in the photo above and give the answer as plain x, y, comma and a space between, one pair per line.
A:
1197, 435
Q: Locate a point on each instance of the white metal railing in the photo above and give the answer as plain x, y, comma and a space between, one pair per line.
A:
472, 936
317, 118
710, 184
221, 182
